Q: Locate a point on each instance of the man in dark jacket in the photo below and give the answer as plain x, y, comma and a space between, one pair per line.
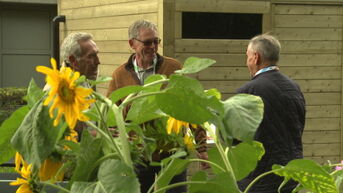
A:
284, 113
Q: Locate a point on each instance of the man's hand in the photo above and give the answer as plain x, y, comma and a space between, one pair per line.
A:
204, 156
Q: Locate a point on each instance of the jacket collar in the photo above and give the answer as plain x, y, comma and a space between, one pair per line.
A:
129, 65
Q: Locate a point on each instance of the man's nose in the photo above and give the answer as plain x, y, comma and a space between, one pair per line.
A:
97, 61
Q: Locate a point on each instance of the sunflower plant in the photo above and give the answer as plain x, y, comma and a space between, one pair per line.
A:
164, 112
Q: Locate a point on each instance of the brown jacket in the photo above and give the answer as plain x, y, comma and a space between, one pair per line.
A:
125, 75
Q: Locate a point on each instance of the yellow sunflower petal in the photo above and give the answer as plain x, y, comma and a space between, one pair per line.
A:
49, 170
53, 63
58, 117
74, 77
26, 171
70, 117
18, 161
25, 188
178, 126
188, 141
83, 117
170, 124
44, 70
194, 126
18, 182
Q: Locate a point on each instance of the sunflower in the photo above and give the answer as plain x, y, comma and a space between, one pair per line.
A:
19, 161
71, 136
50, 170
188, 141
175, 126
65, 95
24, 182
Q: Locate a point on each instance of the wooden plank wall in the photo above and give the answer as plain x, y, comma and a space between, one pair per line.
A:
230, 70
108, 21
311, 36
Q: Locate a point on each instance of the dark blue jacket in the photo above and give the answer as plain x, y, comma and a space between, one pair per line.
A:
281, 128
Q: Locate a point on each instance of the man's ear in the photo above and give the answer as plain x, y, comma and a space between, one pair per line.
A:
131, 43
73, 61
257, 60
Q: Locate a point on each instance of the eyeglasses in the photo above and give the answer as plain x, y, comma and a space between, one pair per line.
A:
150, 42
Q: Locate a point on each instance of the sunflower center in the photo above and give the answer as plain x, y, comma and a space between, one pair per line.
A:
66, 94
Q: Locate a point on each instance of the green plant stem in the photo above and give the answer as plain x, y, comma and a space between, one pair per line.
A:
226, 161
156, 82
257, 178
118, 114
103, 122
181, 184
129, 100
107, 135
209, 162
89, 123
158, 178
115, 145
55, 186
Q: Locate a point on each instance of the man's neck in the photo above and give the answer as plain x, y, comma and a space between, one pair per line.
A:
261, 66
143, 64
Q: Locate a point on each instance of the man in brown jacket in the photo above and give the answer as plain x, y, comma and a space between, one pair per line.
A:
144, 40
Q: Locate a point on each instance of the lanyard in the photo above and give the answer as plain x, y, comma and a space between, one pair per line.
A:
266, 69
143, 73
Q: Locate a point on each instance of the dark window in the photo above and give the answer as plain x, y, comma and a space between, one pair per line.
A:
199, 25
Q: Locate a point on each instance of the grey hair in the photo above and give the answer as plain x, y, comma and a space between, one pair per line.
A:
268, 46
71, 47
140, 24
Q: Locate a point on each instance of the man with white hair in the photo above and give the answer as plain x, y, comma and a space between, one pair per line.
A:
79, 52
144, 62
283, 121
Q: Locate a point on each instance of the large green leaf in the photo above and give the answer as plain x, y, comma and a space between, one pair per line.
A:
150, 83
213, 92
34, 93
194, 65
215, 157
244, 157
90, 152
116, 177
146, 108
111, 119
184, 99
221, 182
186, 83
243, 114
36, 131
7, 130
83, 187
307, 172
121, 93
174, 167
143, 110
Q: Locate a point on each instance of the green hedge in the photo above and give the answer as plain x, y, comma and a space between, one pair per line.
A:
11, 98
